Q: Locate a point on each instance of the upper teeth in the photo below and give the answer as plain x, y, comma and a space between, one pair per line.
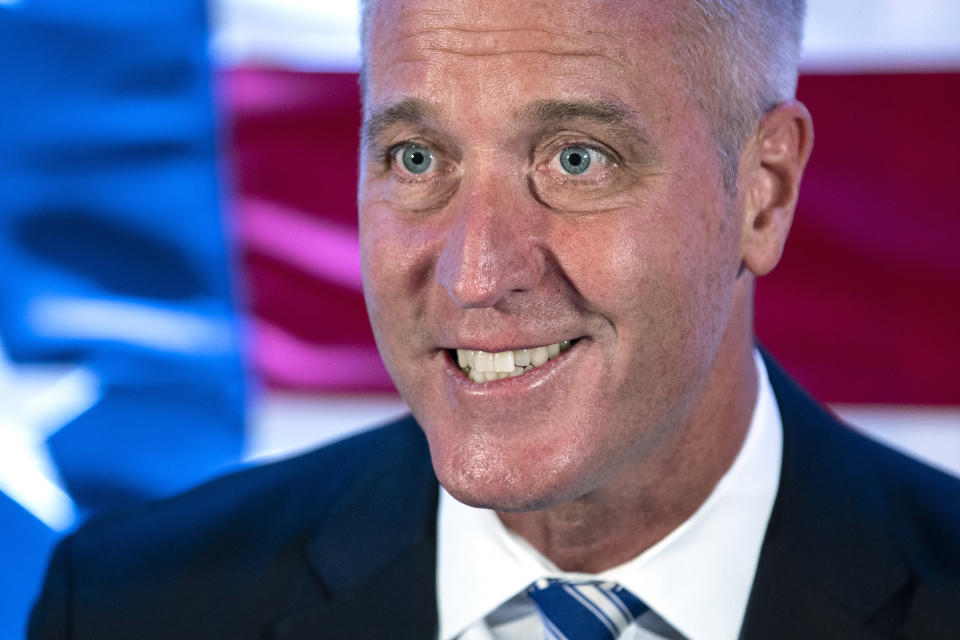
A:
484, 366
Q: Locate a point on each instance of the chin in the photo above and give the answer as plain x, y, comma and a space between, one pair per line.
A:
490, 495
497, 498
495, 480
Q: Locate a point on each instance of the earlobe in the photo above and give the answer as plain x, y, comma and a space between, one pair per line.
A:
771, 168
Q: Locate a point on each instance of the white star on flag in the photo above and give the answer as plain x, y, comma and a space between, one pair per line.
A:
37, 401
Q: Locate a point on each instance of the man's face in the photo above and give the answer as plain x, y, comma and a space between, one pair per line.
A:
536, 173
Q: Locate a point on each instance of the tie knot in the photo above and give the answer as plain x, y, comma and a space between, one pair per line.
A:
584, 610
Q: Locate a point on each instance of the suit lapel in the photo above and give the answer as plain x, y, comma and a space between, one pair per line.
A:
376, 552
830, 560
397, 601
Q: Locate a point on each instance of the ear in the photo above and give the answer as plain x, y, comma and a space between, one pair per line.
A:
771, 167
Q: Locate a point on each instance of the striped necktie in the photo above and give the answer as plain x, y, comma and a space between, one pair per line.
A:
584, 610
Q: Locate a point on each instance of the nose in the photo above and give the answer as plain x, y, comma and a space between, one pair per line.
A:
490, 249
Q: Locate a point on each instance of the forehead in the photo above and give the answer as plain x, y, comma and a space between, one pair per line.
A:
475, 55
526, 24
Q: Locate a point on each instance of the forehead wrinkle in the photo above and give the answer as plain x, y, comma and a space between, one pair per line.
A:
491, 30
437, 28
507, 52
481, 41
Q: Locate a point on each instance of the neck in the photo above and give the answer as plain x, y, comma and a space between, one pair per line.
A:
643, 504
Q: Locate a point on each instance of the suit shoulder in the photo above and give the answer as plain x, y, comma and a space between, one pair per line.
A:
221, 560
922, 503
916, 494
298, 488
925, 503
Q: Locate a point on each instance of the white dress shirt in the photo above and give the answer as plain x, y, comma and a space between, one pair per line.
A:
696, 580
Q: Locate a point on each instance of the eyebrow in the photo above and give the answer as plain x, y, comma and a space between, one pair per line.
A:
550, 112
408, 111
603, 112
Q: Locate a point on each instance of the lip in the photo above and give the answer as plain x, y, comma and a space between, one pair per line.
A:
533, 379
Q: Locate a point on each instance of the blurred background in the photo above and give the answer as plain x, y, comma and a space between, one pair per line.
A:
179, 272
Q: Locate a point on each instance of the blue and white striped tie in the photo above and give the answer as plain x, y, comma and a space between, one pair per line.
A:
584, 610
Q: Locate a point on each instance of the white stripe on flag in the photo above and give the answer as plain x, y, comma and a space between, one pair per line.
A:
144, 323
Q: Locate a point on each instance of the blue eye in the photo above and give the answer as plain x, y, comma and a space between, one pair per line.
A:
575, 160
415, 159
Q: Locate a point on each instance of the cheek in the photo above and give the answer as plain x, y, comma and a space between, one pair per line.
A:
615, 261
662, 278
397, 258
395, 253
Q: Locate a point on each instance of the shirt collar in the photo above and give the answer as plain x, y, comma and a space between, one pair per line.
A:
697, 578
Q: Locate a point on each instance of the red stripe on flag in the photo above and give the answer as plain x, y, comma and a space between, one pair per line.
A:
865, 305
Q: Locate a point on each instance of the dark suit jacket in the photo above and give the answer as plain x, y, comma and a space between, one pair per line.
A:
340, 543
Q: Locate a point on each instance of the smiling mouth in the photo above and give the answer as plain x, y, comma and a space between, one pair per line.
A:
484, 366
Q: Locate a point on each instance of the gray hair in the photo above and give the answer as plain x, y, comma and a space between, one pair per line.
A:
739, 58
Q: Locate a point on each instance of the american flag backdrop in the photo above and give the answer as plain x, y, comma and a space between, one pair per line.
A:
179, 272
